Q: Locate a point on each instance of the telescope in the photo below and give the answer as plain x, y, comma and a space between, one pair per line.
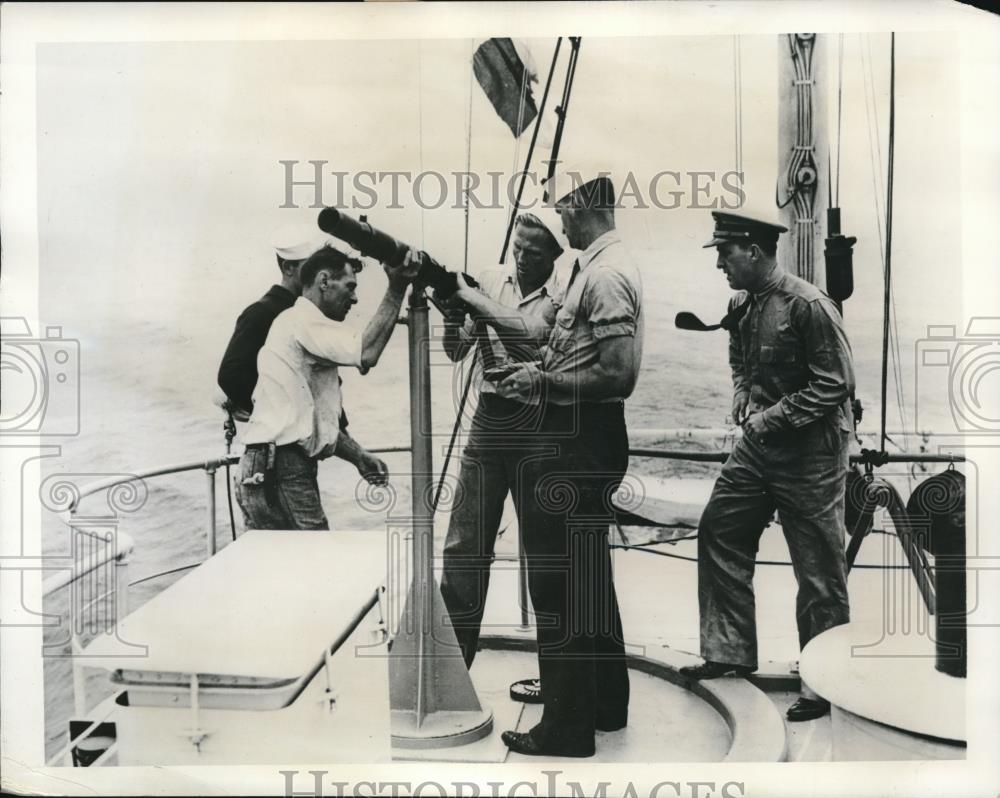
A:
374, 243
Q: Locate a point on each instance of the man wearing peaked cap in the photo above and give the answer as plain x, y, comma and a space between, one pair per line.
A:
739, 228
793, 376
589, 367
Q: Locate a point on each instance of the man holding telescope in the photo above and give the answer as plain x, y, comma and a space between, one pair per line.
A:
576, 461
519, 305
297, 399
578, 447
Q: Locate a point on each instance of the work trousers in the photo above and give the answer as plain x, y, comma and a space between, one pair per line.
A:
279, 492
801, 474
500, 435
567, 481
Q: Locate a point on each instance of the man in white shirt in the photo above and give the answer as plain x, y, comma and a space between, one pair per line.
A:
297, 400
521, 304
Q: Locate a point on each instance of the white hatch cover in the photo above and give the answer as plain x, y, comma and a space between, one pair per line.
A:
260, 613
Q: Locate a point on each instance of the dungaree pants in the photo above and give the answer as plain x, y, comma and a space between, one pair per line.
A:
802, 474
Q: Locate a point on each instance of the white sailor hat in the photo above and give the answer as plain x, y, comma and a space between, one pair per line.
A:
298, 241
565, 181
736, 227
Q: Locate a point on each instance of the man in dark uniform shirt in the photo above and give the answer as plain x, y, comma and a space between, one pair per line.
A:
238, 371
793, 376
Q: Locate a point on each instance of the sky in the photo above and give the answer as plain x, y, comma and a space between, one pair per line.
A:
159, 174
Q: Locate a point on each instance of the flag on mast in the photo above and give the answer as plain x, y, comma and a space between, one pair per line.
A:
505, 71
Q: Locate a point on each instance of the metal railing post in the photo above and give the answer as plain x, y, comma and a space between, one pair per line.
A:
210, 530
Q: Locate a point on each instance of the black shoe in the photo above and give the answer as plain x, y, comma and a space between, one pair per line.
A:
714, 670
807, 709
527, 691
524, 743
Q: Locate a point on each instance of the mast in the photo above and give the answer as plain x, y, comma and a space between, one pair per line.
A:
803, 154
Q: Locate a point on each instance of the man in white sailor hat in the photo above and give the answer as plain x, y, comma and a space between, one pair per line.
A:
297, 400
292, 243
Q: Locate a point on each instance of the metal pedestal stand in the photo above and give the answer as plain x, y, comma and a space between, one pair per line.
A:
433, 701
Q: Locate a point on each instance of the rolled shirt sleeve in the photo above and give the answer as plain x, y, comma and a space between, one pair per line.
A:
612, 305
330, 340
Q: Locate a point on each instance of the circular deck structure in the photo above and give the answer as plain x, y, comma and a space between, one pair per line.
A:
888, 701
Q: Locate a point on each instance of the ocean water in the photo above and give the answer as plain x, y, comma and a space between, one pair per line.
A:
146, 388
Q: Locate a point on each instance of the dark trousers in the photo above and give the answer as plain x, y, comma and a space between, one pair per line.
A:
282, 496
801, 474
500, 435
567, 481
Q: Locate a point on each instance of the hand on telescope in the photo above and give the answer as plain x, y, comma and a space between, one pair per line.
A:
465, 291
401, 275
453, 310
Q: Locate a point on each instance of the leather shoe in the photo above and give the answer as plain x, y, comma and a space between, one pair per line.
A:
524, 743
713, 670
808, 709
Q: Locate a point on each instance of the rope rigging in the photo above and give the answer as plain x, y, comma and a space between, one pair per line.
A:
800, 177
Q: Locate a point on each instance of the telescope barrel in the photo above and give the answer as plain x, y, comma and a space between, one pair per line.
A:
374, 243
362, 236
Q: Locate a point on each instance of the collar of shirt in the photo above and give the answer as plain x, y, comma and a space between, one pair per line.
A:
548, 288
768, 288
306, 306
281, 294
597, 246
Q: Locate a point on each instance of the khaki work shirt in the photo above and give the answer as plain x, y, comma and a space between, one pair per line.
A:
791, 355
604, 300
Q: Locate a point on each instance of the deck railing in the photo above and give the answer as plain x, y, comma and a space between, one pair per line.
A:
99, 550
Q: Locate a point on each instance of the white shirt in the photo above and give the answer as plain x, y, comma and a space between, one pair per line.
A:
502, 286
297, 398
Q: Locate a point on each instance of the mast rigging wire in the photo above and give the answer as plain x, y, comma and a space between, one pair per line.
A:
420, 126
738, 105
563, 107
878, 189
531, 150
840, 106
468, 160
888, 228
